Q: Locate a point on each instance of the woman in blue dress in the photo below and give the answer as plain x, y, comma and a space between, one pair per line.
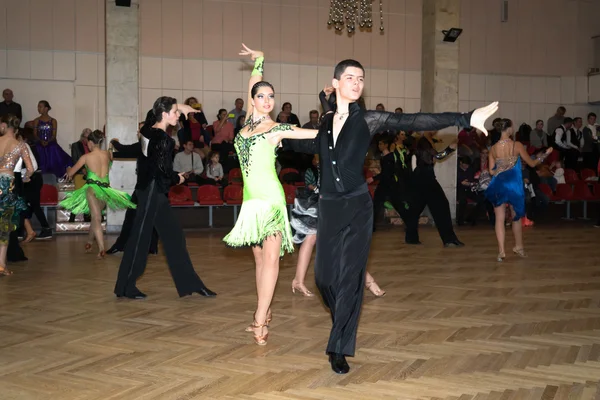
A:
506, 187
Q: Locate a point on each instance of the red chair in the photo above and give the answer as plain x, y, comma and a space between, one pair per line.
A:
581, 192
587, 173
181, 196
596, 191
564, 192
48, 198
290, 194
235, 177
234, 196
547, 190
571, 176
209, 195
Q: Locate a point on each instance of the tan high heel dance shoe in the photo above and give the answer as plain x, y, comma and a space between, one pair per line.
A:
260, 340
301, 288
520, 252
375, 289
250, 328
501, 257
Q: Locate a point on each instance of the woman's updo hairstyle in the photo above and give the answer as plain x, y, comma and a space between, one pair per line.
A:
45, 104
505, 123
12, 121
96, 137
259, 85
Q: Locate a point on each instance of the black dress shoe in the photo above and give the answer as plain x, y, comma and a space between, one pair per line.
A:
338, 363
206, 292
454, 243
113, 250
136, 295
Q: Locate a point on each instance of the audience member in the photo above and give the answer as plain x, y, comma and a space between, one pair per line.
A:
8, 106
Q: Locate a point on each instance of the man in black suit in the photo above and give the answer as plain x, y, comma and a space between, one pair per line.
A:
135, 150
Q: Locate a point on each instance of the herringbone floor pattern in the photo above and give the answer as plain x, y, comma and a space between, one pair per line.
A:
454, 325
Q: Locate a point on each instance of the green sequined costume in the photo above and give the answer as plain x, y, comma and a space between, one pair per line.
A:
77, 203
11, 206
263, 212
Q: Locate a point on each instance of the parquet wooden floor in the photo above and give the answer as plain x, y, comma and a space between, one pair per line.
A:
454, 325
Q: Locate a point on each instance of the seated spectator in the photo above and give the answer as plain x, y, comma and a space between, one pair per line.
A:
194, 127
214, 169
544, 172
190, 163
239, 124
223, 140
559, 173
314, 120
292, 118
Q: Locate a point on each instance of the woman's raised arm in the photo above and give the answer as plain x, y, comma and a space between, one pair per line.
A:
256, 76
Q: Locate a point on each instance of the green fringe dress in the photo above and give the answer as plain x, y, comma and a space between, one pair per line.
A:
263, 212
76, 201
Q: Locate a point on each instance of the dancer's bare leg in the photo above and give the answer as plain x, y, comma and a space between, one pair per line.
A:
500, 212
304, 256
29, 229
3, 251
517, 228
266, 279
96, 207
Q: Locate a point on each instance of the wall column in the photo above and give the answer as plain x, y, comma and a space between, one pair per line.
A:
122, 94
439, 81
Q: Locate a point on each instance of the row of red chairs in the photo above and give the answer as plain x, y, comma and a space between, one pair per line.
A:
572, 177
577, 191
209, 195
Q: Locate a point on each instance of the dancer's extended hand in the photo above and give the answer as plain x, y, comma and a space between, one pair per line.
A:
328, 90
481, 115
254, 54
184, 109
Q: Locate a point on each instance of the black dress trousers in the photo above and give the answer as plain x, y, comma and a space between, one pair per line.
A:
154, 211
343, 243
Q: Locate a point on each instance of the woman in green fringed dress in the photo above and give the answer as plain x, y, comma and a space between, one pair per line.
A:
92, 197
263, 221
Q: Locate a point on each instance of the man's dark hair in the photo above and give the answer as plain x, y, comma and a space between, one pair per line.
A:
568, 120
562, 108
591, 115
188, 141
311, 112
342, 65
161, 105
576, 119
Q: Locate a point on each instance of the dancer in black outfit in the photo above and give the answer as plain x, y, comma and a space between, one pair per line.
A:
132, 151
395, 180
345, 221
429, 191
154, 211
